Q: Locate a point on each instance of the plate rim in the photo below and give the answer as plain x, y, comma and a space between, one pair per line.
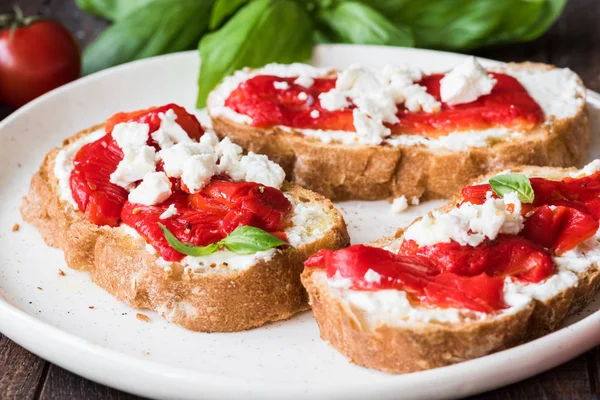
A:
148, 378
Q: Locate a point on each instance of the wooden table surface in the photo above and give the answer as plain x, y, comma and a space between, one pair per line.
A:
574, 42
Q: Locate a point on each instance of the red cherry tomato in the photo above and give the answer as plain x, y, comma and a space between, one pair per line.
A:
34, 59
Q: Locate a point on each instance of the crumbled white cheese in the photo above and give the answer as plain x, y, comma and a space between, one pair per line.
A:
198, 171
130, 136
304, 80
170, 132
315, 114
368, 130
169, 212
209, 139
333, 100
372, 276
414, 201
469, 224
134, 166
138, 158
466, 83
399, 204
283, 85
417, 99
175, 157
302, 96
229, 157
258, 168
154, 188
377, 94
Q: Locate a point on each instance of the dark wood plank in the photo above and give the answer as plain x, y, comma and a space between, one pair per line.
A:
21, 372
594, 367
575, 41
61, 384
568, 381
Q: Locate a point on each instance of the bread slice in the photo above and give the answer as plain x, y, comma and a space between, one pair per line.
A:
403, 346
370, 172
219, 299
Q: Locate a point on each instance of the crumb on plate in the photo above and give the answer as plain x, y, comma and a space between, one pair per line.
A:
142, 317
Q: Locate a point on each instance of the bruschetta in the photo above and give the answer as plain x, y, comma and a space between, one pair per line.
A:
504, 263
167, 218
377, 133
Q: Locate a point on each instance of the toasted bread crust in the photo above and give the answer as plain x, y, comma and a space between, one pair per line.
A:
362, 172
416, 347
268, 291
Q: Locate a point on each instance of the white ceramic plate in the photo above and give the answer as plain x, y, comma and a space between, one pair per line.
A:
50, 315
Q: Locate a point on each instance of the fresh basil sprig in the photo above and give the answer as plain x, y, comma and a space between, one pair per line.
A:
503, 184
354, 22
158, 27
261, 32
255, 32
243, 240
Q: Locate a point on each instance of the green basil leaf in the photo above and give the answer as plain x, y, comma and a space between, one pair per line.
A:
354, 22
222, 10
503, 184
161, 26
187, 249
110, 9
451, 24
460, 24
516, 21
550, 13
249, 240
261, 32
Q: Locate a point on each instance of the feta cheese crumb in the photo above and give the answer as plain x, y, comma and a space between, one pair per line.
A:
258, 168
333, 100
414, 201
229, 155
315, 114
368, 130
175, 157
169, 212
198, 170
376, 93
416, 99
466, 83
469, 224
153, 189
170, 132
372, 276
130, 136
304, 80
399, 204
302, 96
283, 85
134, 166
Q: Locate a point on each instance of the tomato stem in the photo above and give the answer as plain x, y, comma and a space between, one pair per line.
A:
17, 19
18, 13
